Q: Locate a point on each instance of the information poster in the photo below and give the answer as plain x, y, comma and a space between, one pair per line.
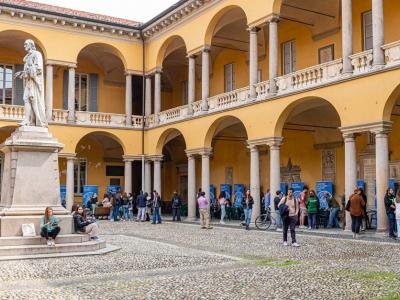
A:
283, 188
113, 189
227, 189
63, 194
324, 186
297, 188
88, 191
212, 194
239, 191
361, 184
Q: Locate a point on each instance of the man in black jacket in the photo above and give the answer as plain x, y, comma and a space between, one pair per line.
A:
156, 204
141, 202
176, 203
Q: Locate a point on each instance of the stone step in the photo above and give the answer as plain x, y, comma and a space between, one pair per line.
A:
37, 240
58, 248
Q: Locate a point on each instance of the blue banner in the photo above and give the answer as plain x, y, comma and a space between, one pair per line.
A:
113, 189
361, 184
324, 186
212, 194
283, 188
297, 188
239, 191
227, 189
88, 191
63, 194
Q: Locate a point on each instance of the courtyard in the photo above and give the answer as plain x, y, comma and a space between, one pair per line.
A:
181, 261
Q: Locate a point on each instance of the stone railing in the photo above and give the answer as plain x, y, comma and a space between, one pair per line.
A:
150, 120
229, 99
60, 116
12, 112
262, 89
362, 62
137, 121
196, 107
100, 119
392, 52
310, 77
173, 114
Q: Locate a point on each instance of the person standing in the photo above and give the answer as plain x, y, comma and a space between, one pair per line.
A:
323, 210
267, 202
222, 204
398, 213
141, 202
390, 205
312, 210
131, 205
289, 209
204, 211
176, 204
116, 205
303, 207
93, 202
334, 207
278, 219
247, 203
355, 206
49, 228
125, 207
156, 204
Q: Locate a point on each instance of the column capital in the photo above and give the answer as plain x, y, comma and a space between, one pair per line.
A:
253, 29
155, 158
253, 147
374, 127
206, 49
158, 71
349, 136
199, 151
273, 18
274, 141
191, 56
68, 156
131, 158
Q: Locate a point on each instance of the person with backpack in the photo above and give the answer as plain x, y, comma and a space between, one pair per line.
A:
278, 219
247, 204
156, 204
312, 210
289, 210
176, 204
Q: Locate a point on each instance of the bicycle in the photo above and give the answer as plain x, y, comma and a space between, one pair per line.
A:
264, 221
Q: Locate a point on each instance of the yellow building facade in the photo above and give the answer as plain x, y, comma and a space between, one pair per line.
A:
216, 92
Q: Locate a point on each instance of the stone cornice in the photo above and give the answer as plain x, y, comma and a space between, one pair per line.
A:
154, 157
67, 64
65, 21
269, 141
67, 155
132, 157
199, 151
374, 127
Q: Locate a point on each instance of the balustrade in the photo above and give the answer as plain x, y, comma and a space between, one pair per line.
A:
362, 62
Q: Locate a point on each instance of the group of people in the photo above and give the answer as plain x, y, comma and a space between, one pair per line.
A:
84, 222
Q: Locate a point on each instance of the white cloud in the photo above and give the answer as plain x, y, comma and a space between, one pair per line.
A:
137, 10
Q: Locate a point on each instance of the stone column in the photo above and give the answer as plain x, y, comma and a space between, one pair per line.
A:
382, 176
157, 95
128, 176
191, 83
350, 170
148, 97
147, 176
275, 166
255, 180
378, 32
347, 35
71, 95
70, 182
128, 99
157, 175
253, 62
205, 172
191, 187
205, 78
49, 92
273, 53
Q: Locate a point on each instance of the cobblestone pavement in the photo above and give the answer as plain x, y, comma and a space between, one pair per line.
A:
181, 261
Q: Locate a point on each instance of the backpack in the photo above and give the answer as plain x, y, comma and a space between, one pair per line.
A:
175, 203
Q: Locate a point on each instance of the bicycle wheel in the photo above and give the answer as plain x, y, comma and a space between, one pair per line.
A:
263, 222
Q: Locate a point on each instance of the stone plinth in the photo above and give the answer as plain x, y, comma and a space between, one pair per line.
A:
30, 181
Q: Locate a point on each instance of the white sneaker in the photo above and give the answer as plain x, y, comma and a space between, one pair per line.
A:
222, 222
285, 243
53, 243
295, 245
49, 243
279, 229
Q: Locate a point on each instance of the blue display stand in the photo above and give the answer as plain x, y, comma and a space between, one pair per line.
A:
361, 184
239, 191
297, 188
212, 194
113, 189
88, 191
63, 193
324, 186
283, 188
227, 189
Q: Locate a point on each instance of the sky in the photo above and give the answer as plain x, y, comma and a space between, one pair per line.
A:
136, 10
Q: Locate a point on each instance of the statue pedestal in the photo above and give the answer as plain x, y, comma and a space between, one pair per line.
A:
30, 181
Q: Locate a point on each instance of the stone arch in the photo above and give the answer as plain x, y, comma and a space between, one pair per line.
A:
167, 136
212, 26
99, 134
107, 49
15, 38
276, 7
169, 45
220, 124
390, 103
300, 104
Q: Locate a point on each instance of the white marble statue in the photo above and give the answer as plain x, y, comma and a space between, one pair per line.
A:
32, 76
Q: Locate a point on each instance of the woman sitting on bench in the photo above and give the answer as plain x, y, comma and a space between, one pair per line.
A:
84, 224
49, 228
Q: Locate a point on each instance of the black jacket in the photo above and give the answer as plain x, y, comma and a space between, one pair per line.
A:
156, 202
249, 205
80, 223
177, 203
388, 204
141, 200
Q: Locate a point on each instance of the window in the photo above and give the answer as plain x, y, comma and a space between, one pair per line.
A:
289, 57
115, 171
259, 75
81, 92
6, 84
229, 77
367, 30
184, 92
326, 54
80, 175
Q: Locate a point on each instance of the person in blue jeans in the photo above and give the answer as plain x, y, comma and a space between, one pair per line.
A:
390, 205
278, 218
125, 207
117, 203
156, 204
335, 207
247, 203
